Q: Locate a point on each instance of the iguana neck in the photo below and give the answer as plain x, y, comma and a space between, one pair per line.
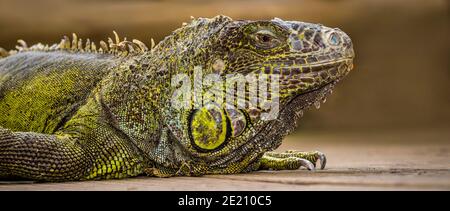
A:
132, 94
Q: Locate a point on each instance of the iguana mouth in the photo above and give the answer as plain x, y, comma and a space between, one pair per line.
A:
313, 97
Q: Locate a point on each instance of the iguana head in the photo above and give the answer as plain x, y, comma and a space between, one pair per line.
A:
306, 60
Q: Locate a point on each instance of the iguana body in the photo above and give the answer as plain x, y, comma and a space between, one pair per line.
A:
74, 111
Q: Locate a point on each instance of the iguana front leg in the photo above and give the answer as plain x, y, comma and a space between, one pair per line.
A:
292, 159
45, 157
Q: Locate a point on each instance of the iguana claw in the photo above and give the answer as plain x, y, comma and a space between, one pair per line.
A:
323, 160
307, 164
292, 159
313, 156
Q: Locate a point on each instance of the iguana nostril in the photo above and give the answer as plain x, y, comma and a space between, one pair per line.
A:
334, 39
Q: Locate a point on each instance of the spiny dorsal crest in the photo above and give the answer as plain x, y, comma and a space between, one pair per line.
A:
116, 47
218, 18
3, 53
112, 46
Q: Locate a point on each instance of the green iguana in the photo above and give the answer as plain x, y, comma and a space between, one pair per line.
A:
75, 111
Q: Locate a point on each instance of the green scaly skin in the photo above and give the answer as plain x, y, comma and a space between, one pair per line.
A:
76, 112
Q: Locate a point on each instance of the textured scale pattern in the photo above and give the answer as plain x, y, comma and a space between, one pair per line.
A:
81, 110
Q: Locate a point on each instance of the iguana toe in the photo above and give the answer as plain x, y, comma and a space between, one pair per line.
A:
280, 160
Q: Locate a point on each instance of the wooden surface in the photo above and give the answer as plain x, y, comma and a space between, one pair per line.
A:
365, 161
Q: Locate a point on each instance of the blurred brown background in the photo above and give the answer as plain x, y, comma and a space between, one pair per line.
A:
401, 76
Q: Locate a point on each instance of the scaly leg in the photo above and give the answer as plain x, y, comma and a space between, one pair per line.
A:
292, 159
45, 157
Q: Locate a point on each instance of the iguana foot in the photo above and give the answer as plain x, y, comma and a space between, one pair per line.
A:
292, 159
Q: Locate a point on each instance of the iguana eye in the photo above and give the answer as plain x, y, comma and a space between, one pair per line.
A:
265, 39
208, 127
